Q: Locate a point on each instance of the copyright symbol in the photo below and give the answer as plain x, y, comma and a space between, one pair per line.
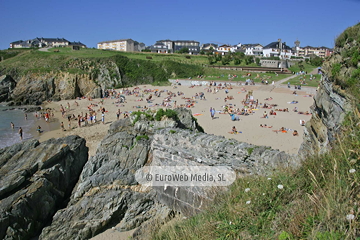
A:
149, 177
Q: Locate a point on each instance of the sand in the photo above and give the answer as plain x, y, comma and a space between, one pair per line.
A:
249, 126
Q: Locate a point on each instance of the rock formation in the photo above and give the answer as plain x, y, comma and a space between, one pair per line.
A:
7, 84
107, 192
36, 180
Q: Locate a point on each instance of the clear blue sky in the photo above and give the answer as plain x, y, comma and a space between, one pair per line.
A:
313, 22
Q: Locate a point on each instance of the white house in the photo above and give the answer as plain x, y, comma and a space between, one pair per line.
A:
253, 49
278, 49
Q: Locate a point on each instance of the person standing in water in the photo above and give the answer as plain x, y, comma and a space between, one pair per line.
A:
21, 133
12, 125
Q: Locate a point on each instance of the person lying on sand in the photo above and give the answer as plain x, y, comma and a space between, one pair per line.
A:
282, 129
265, 126
295, 133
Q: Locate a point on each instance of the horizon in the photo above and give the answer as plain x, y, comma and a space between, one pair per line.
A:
311, 22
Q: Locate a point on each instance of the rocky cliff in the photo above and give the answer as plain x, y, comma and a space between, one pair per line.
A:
85, 78
336, 95
36, 180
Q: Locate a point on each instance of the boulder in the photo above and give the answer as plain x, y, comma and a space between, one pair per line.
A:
36, 179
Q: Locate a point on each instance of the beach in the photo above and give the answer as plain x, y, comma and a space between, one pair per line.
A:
248, 127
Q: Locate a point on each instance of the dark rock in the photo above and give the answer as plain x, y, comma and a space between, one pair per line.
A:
7, 84
36, 179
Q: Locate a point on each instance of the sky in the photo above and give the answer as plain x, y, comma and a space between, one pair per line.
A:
312, 22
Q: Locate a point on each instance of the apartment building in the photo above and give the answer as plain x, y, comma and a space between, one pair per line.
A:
125, 45
318, 51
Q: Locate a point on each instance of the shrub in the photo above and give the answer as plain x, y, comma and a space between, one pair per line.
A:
138, 138
168, 112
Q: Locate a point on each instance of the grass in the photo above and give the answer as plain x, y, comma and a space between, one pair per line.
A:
308, 83
317, 201
307, 67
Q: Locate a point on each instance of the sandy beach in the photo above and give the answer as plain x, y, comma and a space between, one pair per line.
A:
248, 127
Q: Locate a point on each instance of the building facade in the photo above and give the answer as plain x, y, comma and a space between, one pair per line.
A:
253, 49
124, 45
45, 42
278, 49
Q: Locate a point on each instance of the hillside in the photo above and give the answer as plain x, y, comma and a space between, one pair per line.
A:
41, 76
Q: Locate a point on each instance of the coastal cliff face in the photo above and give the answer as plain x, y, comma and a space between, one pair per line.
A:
333, 99
76, 78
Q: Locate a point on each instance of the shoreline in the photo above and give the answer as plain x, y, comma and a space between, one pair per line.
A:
221, 125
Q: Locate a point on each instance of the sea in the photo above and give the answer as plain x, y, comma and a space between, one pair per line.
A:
9, 136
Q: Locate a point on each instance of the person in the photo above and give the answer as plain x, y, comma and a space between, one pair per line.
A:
118, 114
288, 84
103, 117
265, 115
212, 113
62, 126
233, 130
234, 118
21, 133
295, 133
38, 129
25, 116
12, 125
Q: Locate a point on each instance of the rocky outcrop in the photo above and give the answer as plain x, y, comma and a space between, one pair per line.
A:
108, 193
36, 180
332, 101
328, 112
88, 79
7, 84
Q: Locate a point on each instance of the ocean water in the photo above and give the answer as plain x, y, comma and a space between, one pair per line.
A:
9, 136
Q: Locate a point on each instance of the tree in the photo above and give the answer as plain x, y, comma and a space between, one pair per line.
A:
202, 52
301, 66
184, 50
316, 61
257, 60
237, 61
249, 60
211, 59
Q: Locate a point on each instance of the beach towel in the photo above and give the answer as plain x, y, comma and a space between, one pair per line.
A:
197, 114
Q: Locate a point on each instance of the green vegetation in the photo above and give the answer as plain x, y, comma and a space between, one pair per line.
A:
250, 150
304, 80
138, 138
169, 113
317, 201
301, 66
172, 131
348, 36
142, 116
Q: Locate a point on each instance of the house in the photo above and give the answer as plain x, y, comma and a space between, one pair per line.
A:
53, 42
278, 49
159, 47
45, 42
170, 46
193, 46
207, 46
224, 49
138, 47
125, 45
253, 49
76, 45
